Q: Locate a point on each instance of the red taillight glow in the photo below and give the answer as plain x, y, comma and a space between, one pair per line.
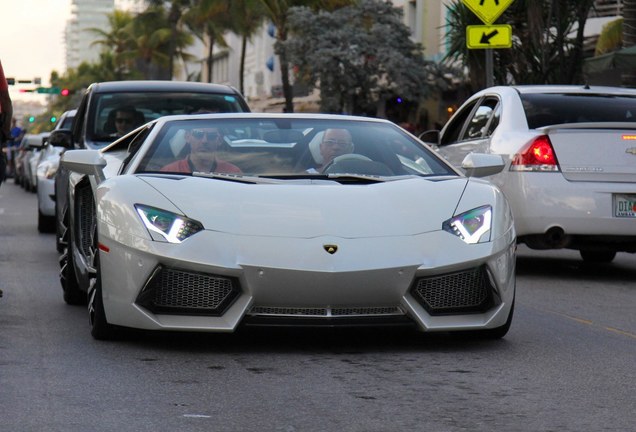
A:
538, 155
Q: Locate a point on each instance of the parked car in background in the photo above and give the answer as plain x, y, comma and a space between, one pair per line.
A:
95, 127
276, 227
570, 155
26, 160
48, 163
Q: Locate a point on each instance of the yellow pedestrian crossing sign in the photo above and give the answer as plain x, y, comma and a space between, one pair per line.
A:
487, 10
489, 36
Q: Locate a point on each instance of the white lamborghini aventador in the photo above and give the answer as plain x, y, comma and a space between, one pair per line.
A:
214, 221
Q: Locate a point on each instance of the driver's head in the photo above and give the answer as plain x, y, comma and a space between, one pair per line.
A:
204, 142
125, 120
335, 142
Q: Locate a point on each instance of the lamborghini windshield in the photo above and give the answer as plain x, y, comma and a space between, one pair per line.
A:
287, 147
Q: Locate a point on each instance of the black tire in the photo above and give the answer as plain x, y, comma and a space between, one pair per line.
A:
598, 257
100, 328
46, 224
73, 295
59, 245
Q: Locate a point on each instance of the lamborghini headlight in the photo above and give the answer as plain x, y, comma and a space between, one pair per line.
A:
167, 226
472, 226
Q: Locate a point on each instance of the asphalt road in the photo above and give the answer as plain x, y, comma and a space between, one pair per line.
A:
567, 364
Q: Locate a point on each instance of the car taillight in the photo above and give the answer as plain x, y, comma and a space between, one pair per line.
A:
537, 155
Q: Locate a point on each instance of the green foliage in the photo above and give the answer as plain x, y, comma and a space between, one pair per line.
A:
356, 55
547, 42
611, 37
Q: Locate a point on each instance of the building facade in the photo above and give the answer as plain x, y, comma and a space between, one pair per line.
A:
85, 14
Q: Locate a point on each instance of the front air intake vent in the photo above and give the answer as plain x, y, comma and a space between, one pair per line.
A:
178, 292
455, 293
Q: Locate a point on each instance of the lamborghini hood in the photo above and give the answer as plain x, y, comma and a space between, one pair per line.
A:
314, 208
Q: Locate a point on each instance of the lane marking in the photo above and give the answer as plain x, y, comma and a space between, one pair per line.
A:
621, 332
587, 322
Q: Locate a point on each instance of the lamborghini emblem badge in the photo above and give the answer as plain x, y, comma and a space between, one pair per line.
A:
331, 249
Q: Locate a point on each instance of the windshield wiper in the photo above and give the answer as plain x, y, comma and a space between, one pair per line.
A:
282, 179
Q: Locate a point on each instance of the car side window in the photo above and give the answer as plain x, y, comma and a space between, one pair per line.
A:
477, 126
494, 120
453, 131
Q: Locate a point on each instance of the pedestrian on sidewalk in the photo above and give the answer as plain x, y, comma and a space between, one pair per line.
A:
6, 114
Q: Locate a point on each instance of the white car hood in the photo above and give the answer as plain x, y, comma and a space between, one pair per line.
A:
325, 208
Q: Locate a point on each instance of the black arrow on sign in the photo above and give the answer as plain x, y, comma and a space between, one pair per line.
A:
485, 38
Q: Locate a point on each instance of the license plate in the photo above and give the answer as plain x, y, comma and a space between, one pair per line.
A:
625, 206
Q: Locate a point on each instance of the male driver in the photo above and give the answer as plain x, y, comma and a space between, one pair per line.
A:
335, 142
204, 144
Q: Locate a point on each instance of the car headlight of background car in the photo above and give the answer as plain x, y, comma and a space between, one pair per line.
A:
472, 226
166, 226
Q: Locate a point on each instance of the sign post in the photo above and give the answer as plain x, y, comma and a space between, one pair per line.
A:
488, 36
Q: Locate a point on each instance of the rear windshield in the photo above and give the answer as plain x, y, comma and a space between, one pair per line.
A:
143, 107
548, 109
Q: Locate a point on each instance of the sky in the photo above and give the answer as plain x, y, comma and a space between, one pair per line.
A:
32, 35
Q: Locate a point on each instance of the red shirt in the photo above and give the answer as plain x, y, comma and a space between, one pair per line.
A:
184, 166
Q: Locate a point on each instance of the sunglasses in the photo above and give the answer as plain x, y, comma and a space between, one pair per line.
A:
199, 134
124, 120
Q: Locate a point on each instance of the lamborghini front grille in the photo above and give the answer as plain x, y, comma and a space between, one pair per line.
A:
455, 293
172, 291
325, 312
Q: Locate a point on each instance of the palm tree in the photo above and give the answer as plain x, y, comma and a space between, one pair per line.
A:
208, 21
176, 40
118, 42
246, 17
158, 43
547, 47
278, 11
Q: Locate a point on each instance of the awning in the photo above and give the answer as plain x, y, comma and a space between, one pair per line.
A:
622, 59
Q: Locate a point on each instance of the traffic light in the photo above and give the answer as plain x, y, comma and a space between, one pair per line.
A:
53, 119
31, 119
65, 92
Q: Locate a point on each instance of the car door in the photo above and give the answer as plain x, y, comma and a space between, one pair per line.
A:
469, 131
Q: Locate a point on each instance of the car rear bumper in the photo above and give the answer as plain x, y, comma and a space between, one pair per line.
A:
543, 201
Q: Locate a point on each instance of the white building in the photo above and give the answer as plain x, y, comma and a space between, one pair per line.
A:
85, 14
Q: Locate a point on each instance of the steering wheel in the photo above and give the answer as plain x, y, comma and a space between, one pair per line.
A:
346, 157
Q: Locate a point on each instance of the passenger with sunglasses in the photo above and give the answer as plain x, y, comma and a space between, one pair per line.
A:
204, 144
125, 119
